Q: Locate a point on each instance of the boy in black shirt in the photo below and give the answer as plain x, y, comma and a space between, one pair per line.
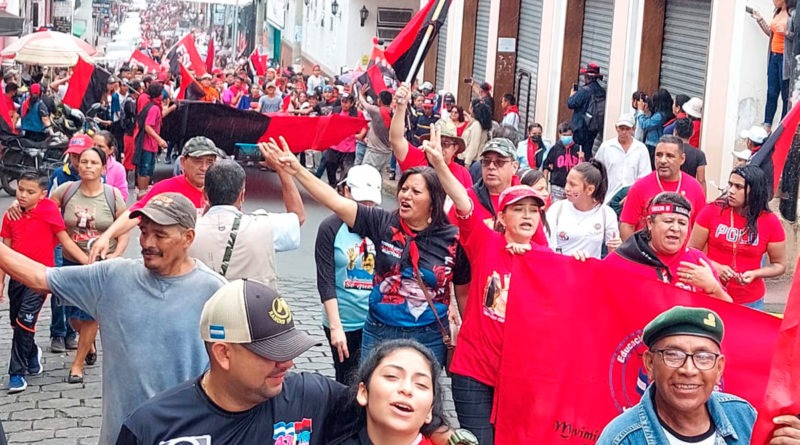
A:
564, 155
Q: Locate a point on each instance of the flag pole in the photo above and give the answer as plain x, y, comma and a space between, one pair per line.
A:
425, 39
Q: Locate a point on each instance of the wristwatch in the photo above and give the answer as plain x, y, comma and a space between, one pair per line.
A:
460, 436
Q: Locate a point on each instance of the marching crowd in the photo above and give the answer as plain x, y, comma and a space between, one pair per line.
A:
406, 293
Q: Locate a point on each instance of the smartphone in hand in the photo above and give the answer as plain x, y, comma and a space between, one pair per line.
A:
574, 87
748, 9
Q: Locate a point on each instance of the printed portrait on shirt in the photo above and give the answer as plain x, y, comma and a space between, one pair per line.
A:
360, 265
495, 296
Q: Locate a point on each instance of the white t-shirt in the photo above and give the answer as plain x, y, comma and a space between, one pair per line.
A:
623, 168
572, 230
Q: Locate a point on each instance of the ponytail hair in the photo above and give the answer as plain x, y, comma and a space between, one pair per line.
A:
594, 173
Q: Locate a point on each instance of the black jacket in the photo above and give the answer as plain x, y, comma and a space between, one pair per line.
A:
637, 249
579, 103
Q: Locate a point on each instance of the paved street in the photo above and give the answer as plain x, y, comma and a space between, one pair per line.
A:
52, 411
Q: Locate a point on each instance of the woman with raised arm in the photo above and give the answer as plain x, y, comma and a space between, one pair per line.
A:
415, 250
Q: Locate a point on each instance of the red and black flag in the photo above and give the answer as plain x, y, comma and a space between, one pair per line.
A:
408, 49
141, 59
257, 63
379, 75
189, 88
227, 126
210, 56
185, 52
783, 149
86, 86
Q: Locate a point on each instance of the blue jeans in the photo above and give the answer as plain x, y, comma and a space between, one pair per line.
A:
361, 149
393, 164
58, 322
430, 336
757, 305
473, 402
775, 86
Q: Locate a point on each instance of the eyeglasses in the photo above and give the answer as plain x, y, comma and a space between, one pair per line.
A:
446, 143
675, 358
499, 163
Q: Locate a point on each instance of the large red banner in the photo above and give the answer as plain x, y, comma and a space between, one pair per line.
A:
572, 355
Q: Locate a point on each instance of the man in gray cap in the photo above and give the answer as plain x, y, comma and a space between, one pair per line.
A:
198, 155
148, 309
680, 406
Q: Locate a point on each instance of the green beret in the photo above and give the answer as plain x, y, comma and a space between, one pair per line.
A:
681, 320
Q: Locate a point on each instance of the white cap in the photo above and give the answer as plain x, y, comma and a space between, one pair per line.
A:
365, 183
426, 86
694, 107
744, 155
756, 133
626, 120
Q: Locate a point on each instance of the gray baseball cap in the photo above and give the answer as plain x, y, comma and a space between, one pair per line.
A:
169, 209
200, 146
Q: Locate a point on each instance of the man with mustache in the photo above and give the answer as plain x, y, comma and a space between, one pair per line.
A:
148, 309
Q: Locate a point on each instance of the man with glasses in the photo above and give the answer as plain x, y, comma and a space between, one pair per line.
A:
685, 363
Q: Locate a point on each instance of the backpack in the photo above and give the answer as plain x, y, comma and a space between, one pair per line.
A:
72, 189
129, 116
595, 116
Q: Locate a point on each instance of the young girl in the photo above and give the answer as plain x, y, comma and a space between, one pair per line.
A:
564, 155
398, 396
491, 254
582, 223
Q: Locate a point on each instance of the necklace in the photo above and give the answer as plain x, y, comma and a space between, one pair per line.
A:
736, 240
677, 190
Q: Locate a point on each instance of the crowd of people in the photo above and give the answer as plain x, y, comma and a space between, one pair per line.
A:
406, 293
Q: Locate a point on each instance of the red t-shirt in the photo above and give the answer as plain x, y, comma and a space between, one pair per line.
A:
480, 340
722, 238
636, 209
539, 238
175, 184
672, 262
416, 158
34, 235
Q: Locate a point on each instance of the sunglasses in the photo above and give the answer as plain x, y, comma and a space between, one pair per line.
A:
499, 163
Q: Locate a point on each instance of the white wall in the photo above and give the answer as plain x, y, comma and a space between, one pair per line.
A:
753, 69
343, 42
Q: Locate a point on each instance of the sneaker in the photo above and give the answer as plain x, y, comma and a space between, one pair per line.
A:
57, 344
35, 365
16, 383
71, 343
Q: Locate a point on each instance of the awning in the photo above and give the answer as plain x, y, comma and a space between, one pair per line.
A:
10, 24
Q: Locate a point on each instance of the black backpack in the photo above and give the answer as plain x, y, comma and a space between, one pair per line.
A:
595, 116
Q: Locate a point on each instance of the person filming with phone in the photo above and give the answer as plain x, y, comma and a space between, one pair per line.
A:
588, 105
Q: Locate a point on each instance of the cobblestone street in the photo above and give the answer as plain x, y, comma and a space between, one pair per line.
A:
52, 411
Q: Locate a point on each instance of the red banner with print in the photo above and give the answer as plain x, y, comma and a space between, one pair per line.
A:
572, 354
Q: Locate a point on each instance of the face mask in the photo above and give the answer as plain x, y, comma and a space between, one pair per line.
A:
536, 139
566, 140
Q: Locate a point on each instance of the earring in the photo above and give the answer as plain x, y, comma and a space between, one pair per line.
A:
430, 220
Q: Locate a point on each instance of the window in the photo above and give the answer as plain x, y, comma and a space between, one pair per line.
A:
391, 21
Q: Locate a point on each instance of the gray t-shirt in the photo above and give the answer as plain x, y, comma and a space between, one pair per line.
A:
268, 104
150, 328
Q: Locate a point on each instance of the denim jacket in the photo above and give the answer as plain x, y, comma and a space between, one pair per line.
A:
652, 126
732, 416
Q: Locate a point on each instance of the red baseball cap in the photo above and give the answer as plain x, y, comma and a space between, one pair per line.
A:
79, 143
517, 193
36, 89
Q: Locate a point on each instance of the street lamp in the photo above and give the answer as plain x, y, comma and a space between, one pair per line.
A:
334, 7
364, 14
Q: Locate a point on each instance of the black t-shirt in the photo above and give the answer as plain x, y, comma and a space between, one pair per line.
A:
185, 415
694, 158
560, 161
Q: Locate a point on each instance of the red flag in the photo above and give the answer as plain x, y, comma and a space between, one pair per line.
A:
410, 45
143, 60
6, 125
258, 63
586, 366
185, 52
378, 72
783, 388
210, 56
312, 132
190, 85
86, 86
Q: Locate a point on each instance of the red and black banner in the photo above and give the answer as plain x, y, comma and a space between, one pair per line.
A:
184, 52
408, 49
146, 62
227, 126
379, 74
86, 86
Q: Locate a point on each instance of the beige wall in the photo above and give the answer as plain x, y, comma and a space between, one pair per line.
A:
626, 39
554, 16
